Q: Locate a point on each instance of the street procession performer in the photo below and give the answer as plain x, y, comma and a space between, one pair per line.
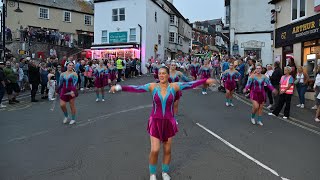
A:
230, 78
101, 80
175, 76
205, 72
256, 84
68, 92
162, 126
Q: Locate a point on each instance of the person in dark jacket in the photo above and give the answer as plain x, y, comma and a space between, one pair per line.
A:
275, 81
34, 79
2, 84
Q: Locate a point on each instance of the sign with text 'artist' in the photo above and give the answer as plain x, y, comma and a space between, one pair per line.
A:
306, 30
118, 37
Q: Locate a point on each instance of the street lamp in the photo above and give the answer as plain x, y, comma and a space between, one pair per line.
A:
5, 4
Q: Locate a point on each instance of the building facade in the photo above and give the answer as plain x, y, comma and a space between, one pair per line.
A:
72, 17
250, 28
139, 29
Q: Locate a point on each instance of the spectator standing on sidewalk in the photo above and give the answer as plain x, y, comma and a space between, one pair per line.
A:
316, 87
44, 81
12, 85
286, 92
275, 81
2, 84
34, 79
269, 93
301, 83
20, 74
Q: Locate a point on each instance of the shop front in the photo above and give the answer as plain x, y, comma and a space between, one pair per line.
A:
300, 41
111, 51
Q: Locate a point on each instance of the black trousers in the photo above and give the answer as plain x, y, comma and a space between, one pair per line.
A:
269, 93
283, 99
34, 90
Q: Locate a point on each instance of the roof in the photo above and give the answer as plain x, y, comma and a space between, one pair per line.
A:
274, 1
71, 5
176, 11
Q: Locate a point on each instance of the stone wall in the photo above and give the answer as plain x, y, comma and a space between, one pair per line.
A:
39, 48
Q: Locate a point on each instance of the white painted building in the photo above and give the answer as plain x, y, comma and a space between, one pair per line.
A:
139, 28
249, 23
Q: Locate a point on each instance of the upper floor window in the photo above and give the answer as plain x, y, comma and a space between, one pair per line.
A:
155, 17
44, 13
104, 37
172, 19
67, 16
298, 9
172, 37
88, 20
119, 14
133, 34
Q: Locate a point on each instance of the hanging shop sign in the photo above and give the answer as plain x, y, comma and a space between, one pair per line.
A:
118, 37
301, 31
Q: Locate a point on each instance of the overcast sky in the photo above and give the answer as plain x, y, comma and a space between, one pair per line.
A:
199, 10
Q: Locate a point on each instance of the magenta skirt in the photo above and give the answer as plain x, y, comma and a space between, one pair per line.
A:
162, 129
100, 82
229, 85
67, 98
178, 96
260, 97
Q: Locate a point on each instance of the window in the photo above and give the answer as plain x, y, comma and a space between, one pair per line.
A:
171, 37
44, 13
228, 14
67, 16
122, 14
172, 19
88, 20
133, 34
159, 39
298, 9
118, 14
180, 40
155, 17
104, 37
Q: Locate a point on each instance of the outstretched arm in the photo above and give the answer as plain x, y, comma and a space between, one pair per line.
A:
133, 89
184, 77
250, 81
268, 83
190, 85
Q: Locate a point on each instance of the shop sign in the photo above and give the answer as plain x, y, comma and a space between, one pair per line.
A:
252, 44
118, 37
305, 30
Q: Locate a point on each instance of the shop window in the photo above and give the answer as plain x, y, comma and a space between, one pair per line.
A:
298, 9
310, 43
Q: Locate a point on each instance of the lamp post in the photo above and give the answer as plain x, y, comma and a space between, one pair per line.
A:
5, 4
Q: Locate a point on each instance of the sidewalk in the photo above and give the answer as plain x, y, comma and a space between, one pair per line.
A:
305, 115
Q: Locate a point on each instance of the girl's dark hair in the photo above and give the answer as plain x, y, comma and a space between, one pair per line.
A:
166, 68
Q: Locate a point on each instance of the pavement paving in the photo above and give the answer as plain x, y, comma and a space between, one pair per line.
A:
110, 142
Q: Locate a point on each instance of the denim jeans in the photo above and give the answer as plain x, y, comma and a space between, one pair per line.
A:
81, 80
301, 88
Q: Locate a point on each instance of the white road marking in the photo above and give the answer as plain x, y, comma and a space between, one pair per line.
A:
79, 123
286, 120
241, 152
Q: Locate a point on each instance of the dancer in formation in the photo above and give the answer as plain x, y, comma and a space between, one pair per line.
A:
194, 69
255, 84
162, 126
230, 78
155, 69
68, 92
205, 72
112, 72
175, 76
101, 80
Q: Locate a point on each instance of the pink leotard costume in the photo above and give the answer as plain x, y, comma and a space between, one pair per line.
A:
112, 72
256, 87
101, 77
176, 78
194, 69
230, 79
66, 85
205, 72
162, 124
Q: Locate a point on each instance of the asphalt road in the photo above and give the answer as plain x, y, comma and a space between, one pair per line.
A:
110, 141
